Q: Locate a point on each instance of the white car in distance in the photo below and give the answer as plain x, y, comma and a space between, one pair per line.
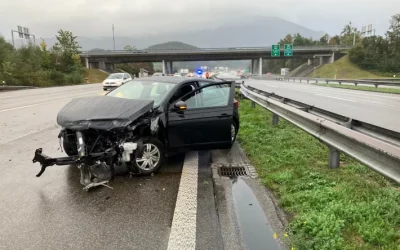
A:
115, 80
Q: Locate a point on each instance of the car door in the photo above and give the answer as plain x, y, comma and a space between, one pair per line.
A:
206, 121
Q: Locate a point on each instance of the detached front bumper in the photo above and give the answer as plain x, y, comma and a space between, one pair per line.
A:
46, 161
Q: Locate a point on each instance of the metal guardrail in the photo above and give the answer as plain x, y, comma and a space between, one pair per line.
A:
10, 87
376, 147
356, 82
202, 50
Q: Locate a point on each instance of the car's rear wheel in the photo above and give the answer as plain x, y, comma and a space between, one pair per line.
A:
234, 131
151, 158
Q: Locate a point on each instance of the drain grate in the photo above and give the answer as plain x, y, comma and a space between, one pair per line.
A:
232, 171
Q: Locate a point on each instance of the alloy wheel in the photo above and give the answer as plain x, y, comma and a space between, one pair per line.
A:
233, 132
150, 157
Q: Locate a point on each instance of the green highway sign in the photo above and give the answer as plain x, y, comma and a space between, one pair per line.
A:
288, 51
276, 50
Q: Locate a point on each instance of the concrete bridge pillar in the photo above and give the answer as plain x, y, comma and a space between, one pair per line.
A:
102, 65
254, 66
87, 63
164, 67
309, 62
167, 67
332, 58
109, 66
260, 66
170, 68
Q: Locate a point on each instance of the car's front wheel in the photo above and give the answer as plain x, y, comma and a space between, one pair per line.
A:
151, 158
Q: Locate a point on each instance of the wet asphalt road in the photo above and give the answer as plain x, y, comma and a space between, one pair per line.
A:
53, 212
379, 109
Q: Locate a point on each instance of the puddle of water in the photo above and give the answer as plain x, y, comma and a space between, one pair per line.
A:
254, 225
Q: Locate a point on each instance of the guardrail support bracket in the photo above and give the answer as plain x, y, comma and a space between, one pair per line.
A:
334, 157
275, 119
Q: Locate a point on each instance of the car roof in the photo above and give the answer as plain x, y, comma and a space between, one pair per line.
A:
172, 79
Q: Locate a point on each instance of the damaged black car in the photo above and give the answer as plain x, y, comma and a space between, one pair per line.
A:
140, 123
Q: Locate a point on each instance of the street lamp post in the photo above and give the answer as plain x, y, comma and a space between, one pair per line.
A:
113, 36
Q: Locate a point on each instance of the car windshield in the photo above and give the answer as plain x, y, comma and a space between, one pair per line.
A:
115, 76
143, 90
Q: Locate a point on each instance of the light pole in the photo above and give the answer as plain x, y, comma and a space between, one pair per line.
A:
113, 36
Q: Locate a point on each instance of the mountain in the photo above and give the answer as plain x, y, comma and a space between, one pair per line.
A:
172, 45
242, 32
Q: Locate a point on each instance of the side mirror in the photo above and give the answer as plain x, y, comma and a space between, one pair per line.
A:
180, 105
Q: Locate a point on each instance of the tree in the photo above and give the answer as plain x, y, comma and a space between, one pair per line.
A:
393, 35
349, 34
324, 40
66, 50
335, 40
66, 42
129, 48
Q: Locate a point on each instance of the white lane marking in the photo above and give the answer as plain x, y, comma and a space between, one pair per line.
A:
334, 97
32, 105
183, 230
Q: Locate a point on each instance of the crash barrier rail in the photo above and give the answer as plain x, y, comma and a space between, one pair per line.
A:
7, 87
375, 83
376, 147
202, 50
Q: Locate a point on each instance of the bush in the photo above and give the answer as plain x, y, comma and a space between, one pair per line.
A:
73, 78
57, 77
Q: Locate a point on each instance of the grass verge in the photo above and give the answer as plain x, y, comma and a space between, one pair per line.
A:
350, 207
363, 88
95, 75
344, 69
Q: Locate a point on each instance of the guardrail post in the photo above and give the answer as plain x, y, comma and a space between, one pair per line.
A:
253, 104
308, 81
300, 80
376, 85
275, 119
333, 158
340, 83
327, 82
355, 84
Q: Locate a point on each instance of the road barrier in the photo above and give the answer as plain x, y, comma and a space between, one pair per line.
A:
9, 87
373, 82
376, 147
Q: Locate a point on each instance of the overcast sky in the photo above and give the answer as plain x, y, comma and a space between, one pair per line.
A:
141, 17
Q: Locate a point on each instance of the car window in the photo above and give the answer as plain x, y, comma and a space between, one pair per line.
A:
143, 90
115, 76
182, 91
211, 96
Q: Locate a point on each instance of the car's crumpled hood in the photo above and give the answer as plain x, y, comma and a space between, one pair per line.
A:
101, 112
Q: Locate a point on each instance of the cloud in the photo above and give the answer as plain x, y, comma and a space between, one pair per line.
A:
146, 17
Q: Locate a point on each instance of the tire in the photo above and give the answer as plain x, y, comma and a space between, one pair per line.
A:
234, 131
105, 89
147, 165
70, 148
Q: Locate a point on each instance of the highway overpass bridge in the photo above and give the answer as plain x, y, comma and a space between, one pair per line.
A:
107, 58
